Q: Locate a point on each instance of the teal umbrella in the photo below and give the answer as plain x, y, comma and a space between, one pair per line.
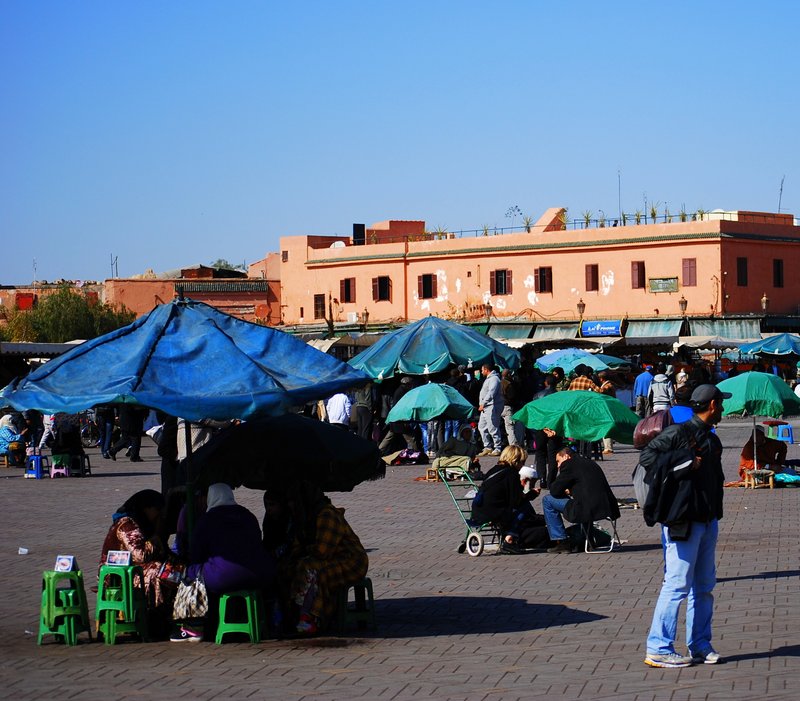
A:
584, 416
429, 402
430, 345
759, 394
569, 358
782, 344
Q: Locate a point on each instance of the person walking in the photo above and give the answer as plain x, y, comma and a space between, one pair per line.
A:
685, 461
641, 388
490, 406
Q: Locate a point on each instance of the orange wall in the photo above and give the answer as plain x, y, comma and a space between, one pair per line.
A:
463, 266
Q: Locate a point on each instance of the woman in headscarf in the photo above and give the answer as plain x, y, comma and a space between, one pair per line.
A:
226, 551
226, 546
134, 528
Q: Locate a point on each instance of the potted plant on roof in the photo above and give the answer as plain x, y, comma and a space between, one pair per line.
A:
527, 222
654, 211
637, 216
587, 218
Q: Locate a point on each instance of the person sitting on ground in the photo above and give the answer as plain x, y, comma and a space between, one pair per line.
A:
770, 454
326, 556
529, 529
12, 441
501, 491
135, 526
459, 452
226, 551
581, 493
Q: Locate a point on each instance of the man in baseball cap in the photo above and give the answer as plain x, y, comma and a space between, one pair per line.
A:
685, 464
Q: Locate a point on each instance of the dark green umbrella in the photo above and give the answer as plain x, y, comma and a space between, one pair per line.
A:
581, 415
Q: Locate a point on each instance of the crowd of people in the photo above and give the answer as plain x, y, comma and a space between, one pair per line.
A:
301, 555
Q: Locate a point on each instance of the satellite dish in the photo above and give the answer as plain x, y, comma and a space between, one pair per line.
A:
337, 244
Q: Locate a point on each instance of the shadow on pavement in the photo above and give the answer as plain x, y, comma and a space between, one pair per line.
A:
761, 575
785, 651
458, 615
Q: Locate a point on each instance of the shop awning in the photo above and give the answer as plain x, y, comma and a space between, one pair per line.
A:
502, 332
708, 342
553, 332
726, 328
659, 332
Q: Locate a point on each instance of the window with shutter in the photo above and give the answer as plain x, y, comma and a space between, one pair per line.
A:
741, 272
637, 275
777, 272
689, 272
493, 282
592, 278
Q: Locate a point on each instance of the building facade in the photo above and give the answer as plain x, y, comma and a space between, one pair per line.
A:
715, 266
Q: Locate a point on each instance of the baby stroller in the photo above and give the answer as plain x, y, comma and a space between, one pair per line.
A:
462, 491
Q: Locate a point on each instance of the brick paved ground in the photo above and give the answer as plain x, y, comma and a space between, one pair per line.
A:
450, 626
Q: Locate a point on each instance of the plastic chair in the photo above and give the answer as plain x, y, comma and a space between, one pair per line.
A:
253, 611
64, 611
37, 466
784, 433
121, 604
363, 611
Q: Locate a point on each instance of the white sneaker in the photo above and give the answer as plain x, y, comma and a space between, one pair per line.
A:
709, 656
495, 452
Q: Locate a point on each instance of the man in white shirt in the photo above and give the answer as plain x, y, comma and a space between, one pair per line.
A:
338, 408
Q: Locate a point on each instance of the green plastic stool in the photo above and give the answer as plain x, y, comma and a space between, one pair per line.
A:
121, 604
363, 612
254, 611
64, 610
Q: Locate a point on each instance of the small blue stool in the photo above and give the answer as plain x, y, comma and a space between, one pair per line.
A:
37, 466
783, 432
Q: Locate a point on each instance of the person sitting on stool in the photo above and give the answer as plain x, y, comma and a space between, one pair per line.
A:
581, 493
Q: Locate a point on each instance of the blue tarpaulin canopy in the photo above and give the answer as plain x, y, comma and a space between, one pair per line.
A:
189, 360
430, 345
782, 344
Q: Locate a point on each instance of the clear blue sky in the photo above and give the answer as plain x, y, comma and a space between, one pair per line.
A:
175, 133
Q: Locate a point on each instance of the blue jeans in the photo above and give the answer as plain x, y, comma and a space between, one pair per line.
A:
553, 508
690, 573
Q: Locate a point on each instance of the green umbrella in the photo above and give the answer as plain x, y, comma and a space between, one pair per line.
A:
581, 415
429, 402
759, 394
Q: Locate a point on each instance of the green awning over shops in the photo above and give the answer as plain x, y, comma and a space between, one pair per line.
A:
504, 331
555, 331
726, 328
653, 332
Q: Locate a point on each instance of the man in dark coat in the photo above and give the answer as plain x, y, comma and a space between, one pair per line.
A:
684, 471
581, 493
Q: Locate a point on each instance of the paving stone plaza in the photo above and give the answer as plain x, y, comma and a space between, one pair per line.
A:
449, 626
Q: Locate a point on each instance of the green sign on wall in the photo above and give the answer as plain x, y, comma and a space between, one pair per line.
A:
663, 284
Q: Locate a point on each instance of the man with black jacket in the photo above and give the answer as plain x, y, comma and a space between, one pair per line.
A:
684, 471
581, 492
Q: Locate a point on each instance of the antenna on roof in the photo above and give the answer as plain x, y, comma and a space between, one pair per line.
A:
780, 194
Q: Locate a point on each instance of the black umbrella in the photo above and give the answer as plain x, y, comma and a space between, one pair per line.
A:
270, 452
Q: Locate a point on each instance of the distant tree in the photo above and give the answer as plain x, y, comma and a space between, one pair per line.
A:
18, 327
225, 265
68, 314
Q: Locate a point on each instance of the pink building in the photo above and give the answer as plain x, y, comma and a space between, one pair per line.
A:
715, 266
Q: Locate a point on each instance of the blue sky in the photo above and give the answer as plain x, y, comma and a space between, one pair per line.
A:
168, 134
